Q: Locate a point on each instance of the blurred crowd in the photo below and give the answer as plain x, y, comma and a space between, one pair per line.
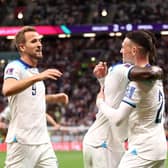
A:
76, 57
77, 12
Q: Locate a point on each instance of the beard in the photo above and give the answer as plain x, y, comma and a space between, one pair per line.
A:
37, 55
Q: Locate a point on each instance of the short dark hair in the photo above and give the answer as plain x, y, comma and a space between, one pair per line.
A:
146, 40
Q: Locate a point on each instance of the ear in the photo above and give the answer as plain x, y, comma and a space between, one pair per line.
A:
134, 50
21, 47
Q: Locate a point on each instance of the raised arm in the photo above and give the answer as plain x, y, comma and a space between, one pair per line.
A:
152, 72
136, 73
100, 71
13, 86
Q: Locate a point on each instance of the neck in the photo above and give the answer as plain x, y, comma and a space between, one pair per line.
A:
30, 61
141, 61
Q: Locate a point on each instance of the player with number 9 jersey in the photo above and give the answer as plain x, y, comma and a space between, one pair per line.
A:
20, 128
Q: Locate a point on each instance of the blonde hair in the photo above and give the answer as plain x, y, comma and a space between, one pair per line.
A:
20, 36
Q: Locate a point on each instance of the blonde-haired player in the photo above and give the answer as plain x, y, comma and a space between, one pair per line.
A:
28, 142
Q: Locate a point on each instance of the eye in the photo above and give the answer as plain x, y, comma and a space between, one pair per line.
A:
34, 41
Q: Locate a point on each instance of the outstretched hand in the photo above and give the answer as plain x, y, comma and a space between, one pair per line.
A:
57, 98
50, 74
63, 98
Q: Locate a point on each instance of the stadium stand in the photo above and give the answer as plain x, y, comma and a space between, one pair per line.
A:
74, 56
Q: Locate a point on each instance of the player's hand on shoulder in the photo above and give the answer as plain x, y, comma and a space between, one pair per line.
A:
157, 71
100, 70
50, 74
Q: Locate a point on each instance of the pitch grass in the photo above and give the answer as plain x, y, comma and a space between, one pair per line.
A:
72, 159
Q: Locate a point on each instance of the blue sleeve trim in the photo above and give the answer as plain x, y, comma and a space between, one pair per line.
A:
131, 104
24, 64
10, 77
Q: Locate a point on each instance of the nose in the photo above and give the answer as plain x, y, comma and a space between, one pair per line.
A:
39, 44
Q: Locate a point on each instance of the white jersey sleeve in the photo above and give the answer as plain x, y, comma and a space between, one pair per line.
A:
145, 129
117, 115
101, 81
115, 84
12, 70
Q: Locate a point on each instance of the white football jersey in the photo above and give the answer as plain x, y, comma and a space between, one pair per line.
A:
145, 130
28, 119
102, 132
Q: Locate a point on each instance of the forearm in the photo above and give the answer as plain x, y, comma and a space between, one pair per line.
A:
101, 81
51, 120
117, 115
57, 98
152, 72
12, 86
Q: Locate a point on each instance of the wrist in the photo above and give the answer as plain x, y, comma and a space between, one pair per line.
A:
99, 101
101, 81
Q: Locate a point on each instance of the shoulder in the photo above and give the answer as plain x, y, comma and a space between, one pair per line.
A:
15, 63
13, 69
120, 65
120, 68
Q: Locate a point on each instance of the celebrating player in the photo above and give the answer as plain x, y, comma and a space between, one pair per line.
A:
28, 142
103, 143
143, 106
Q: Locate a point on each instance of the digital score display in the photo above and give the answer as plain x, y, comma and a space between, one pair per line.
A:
63, 29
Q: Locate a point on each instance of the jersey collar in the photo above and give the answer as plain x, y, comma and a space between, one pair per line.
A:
25, 64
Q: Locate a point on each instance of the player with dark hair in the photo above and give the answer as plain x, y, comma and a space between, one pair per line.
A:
103, 143
143, 107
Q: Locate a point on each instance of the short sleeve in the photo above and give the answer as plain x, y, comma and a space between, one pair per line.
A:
12, 70
130, 95
121, 71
